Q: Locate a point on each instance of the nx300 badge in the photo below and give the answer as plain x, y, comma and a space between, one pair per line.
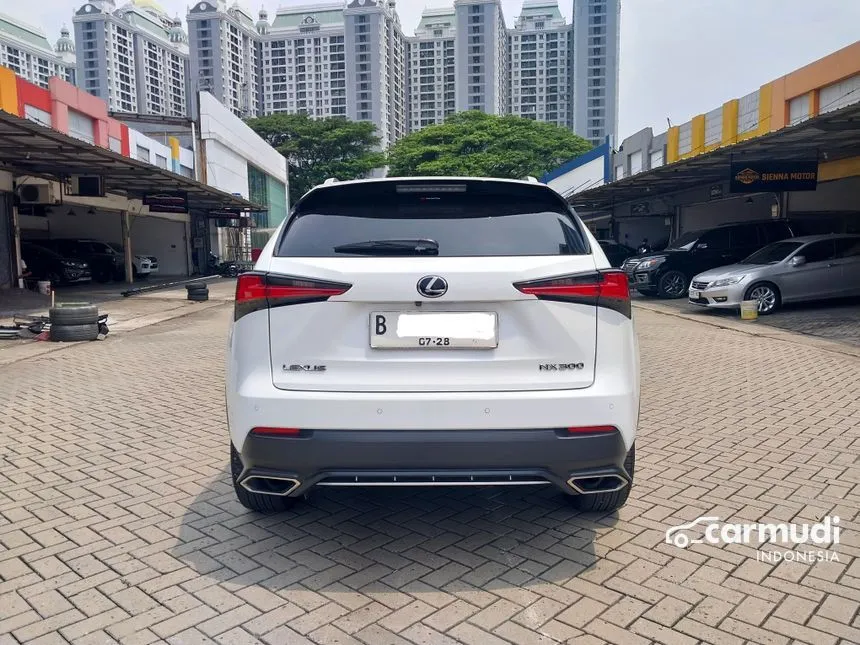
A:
560, 367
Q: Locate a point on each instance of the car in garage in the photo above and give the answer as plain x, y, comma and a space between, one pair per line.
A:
103, 260
432, 332
142, 264
45, 264
616, 252
668, 273
815, 267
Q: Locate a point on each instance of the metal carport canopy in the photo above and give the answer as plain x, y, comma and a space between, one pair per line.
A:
28, 148
834, 134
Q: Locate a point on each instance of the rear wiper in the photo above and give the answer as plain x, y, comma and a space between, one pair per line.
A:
395, 247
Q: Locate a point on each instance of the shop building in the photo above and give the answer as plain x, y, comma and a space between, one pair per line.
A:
721, 166
82, 174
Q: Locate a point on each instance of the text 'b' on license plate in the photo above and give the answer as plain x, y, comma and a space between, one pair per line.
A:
442, 330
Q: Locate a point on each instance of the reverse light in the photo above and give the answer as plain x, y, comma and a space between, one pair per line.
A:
255, 291
277, 432
591, 429
609, 289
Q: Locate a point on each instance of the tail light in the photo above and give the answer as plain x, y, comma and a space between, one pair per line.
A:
608, 289
255, 291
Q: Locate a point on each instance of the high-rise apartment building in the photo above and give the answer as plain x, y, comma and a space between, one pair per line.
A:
431, 69
226, 55
376, 67
541, 58
304, 60
25, 50
596, 37
483, 68
135, 57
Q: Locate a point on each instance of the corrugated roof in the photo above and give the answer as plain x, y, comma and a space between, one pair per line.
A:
24, 33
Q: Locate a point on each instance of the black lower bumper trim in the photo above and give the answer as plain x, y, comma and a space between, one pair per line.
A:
432, 457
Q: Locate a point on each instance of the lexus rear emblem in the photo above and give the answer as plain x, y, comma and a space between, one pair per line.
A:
432, 286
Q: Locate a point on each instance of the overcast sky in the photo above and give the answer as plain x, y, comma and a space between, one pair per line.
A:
679, 58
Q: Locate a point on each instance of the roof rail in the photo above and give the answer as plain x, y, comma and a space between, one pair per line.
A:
330, 181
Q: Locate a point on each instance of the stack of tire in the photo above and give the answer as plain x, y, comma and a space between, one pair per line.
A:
197, 292
74, 322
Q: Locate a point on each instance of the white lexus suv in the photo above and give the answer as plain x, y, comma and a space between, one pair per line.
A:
430, 332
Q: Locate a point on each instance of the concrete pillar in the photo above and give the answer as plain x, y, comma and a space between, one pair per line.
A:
126, 244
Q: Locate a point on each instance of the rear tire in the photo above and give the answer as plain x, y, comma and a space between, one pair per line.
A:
255, 501
602, 502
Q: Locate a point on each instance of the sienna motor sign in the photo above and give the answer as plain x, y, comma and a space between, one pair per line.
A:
773, 176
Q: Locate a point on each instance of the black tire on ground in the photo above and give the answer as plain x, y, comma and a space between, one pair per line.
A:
78, 314
54, 278
767, 293
198, 296
255, 501
102, 275
672, 284
74, 333
598, 502
197, 286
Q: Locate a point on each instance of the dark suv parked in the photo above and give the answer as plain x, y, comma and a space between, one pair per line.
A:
103, 260
45, 264
668, 273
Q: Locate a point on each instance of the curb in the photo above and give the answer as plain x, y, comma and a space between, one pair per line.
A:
753, 329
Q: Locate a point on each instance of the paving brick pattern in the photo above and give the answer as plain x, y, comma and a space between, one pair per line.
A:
118, 521
835, 320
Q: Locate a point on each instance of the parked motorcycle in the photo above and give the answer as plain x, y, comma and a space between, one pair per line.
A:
227, 269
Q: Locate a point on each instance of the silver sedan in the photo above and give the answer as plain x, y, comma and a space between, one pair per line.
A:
814, 267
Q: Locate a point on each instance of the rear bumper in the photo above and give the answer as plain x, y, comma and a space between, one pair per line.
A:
433, 457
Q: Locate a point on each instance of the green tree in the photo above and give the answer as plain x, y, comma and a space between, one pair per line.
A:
484, 145
317, 149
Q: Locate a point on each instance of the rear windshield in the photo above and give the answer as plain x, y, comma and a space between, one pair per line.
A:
491, 220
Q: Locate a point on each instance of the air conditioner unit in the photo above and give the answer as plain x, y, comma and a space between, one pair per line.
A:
35, 194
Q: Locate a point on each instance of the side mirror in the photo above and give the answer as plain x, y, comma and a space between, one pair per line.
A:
798, 261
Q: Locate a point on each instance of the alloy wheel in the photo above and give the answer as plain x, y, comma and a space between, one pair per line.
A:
673, 284
766, 298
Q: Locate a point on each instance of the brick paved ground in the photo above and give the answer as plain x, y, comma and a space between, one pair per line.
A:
118, 522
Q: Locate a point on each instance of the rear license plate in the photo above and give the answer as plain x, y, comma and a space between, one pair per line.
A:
442, 330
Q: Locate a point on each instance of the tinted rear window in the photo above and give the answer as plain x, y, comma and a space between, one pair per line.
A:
485, 220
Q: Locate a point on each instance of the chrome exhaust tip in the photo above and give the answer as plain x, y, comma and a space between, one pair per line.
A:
279, 486
591, 484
